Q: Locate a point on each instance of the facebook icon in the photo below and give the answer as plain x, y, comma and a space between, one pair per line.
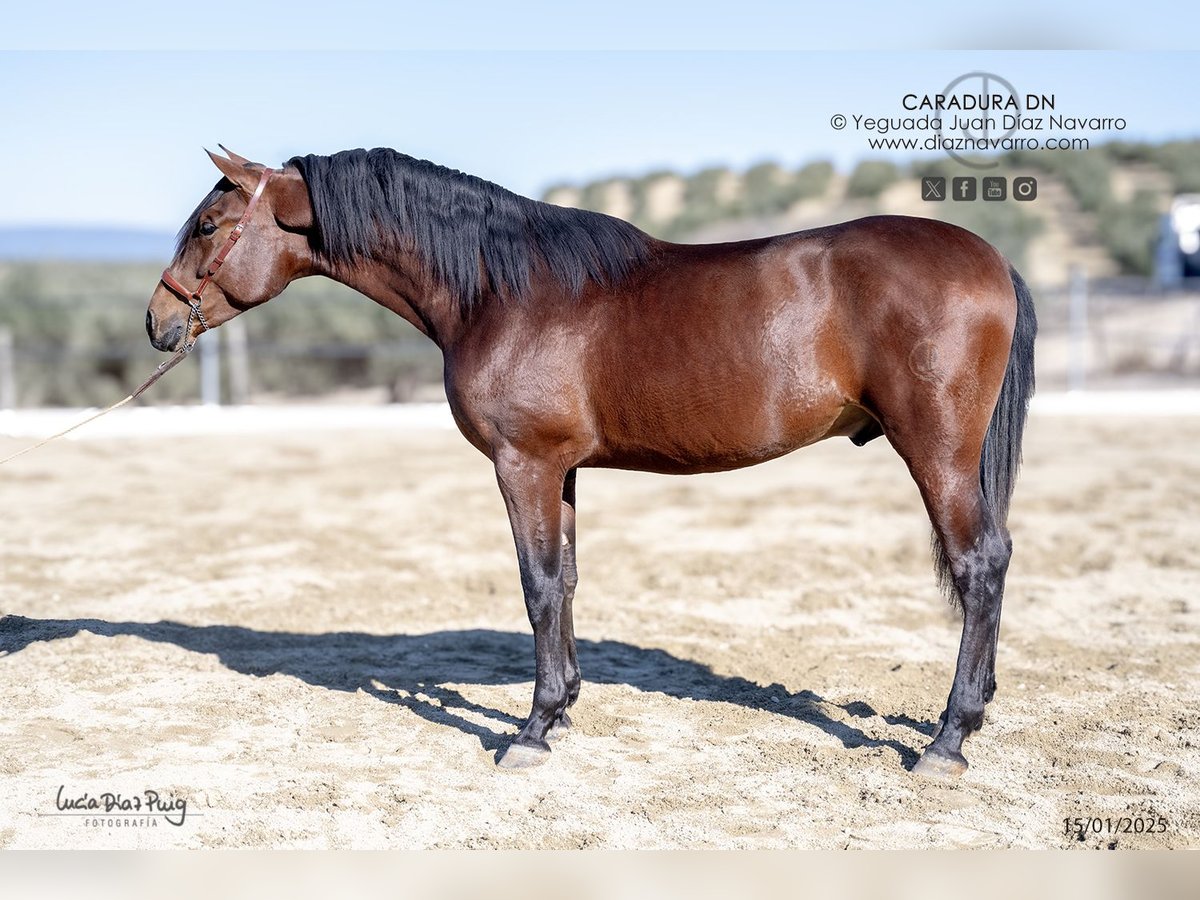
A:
964, 188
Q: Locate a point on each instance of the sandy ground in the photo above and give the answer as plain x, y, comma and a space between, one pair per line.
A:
317, 640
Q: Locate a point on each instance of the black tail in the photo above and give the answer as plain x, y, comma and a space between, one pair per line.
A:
1002, 446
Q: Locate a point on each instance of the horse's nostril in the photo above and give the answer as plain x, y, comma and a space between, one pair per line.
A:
168, 337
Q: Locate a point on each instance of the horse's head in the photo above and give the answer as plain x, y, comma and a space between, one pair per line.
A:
245, 242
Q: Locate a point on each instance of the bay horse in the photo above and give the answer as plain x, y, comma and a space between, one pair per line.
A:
573, 339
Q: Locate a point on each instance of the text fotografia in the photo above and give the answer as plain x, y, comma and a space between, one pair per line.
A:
144, 809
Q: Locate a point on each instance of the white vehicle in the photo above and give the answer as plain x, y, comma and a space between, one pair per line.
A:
1179, 246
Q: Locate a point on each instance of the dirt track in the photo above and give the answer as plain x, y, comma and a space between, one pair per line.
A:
318, 640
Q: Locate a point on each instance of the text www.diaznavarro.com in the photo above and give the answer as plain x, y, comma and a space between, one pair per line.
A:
942, 142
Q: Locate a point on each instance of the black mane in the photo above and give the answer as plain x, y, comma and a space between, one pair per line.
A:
367, 202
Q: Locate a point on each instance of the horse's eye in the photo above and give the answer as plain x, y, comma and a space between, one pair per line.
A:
207, 228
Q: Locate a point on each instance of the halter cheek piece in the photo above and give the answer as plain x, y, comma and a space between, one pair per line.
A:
194, 298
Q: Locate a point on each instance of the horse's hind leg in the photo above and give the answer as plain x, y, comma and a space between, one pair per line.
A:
976, 552
567, 622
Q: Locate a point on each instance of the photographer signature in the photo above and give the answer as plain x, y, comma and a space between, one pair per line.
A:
147, 803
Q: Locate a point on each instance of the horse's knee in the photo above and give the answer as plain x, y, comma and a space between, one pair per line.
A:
544, 595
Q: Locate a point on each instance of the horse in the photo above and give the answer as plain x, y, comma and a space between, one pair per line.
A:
573, 339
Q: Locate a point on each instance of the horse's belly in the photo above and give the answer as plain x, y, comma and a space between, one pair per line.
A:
704, 432
749, 373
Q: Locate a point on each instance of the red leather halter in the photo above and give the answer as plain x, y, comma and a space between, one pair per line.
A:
195, 298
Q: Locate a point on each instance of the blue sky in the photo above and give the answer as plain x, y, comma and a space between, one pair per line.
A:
114, 136
614, 25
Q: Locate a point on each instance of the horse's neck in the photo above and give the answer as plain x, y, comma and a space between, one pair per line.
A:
401, 286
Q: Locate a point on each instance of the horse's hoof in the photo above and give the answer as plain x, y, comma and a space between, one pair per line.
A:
560, 728
940, 766
522, 756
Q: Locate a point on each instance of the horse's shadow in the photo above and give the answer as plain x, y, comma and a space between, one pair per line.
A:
414, 670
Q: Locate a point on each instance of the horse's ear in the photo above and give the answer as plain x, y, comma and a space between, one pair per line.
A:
290, 200
240, 160
244, 174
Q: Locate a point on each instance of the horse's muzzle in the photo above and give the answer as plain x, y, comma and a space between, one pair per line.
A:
163, 339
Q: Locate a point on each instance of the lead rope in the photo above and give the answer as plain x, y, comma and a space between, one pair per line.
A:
158, 373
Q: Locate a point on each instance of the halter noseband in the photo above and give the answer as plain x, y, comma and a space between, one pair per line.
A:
194, 298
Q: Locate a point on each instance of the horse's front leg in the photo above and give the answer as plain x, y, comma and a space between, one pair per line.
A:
533, 490
567, 620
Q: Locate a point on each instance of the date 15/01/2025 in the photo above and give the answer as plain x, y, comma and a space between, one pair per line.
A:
1082, 826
